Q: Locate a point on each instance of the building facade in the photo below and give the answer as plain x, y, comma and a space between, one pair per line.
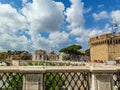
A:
53, 56
42, 55
105, 47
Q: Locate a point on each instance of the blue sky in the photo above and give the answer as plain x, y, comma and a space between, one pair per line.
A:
45, 24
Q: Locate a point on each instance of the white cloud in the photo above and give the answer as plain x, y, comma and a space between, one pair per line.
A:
11, 40
40, 15
76, 20
59, 37
44, 15
77, 31
83, 34
24, 1
21, 30
101, 15
11, 24
9, 17
54, 40
101, 6
40, 42
88, 10
115, 15
75, 17
75, 14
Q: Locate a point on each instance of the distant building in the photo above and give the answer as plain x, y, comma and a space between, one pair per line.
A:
15, 55
61, 56
82, 57
53, 56
22, 55
40, 55
105, 47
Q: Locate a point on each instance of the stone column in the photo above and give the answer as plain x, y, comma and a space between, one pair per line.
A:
33, 82
102, 81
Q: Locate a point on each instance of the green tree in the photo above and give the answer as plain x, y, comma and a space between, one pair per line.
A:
54, 81
72, 51
3, 55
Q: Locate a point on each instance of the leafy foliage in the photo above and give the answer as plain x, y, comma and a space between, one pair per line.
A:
14, 81
3, 55
23, 55
72, 49
73, 52
54, 81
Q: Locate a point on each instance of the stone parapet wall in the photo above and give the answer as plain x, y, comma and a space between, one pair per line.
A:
99, 38
99, 77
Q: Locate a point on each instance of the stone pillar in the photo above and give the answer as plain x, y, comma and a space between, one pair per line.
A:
102, 81
38, 57
33, 82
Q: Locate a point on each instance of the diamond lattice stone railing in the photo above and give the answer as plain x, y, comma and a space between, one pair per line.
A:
60, 78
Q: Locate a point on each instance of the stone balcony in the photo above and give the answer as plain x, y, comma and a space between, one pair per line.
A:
60, 77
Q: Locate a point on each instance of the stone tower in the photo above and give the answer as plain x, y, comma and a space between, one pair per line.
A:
105, 47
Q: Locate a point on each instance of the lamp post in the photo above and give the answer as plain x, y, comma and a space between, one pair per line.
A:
112, 42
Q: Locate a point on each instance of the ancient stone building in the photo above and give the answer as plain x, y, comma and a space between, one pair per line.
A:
40, 55
105, 47
53, 56
61, 56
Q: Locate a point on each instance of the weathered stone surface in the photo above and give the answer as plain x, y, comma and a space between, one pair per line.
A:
104, 47
33, 82
102, 82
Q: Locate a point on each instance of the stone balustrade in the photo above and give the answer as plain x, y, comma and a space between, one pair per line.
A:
96, 77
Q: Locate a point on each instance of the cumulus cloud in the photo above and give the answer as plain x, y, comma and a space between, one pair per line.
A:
83, 34
35, 17
75, 17
11, 24
21, 29
74, 14
54, 40
101, 6
76, 20
40, 42
14, 42
101, 15
59, 37
9, 17
115, 15
44, 15
88, 10
77, 31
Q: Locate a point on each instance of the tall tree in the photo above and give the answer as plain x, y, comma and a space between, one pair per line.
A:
72, 49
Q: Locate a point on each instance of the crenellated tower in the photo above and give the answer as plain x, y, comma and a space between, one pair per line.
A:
105, 47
